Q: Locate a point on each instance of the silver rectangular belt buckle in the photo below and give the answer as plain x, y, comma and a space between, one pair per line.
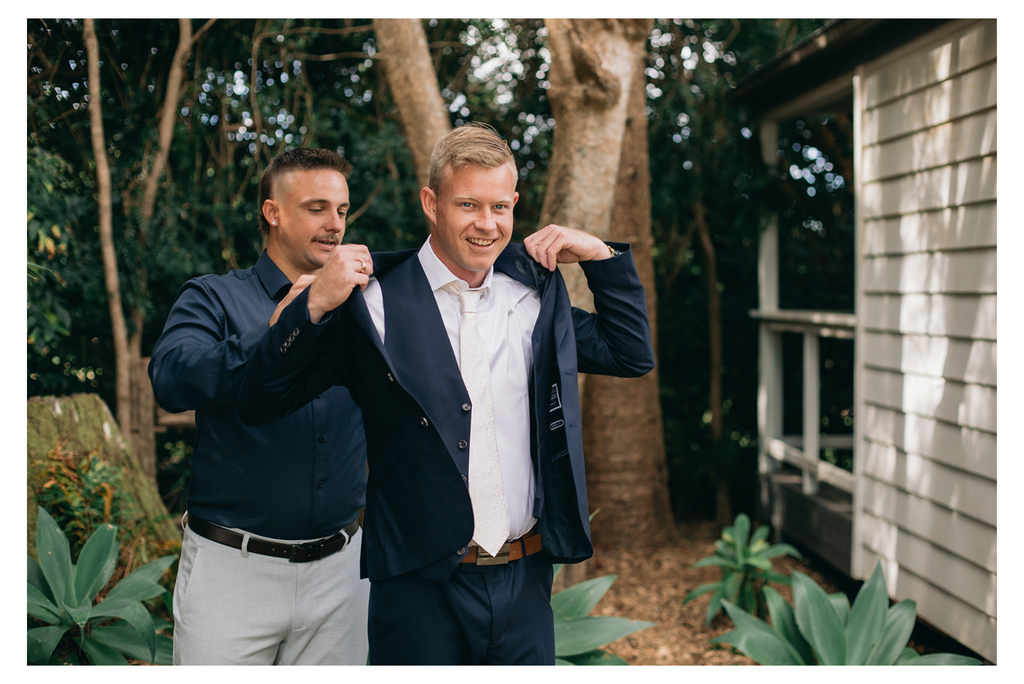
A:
501, 559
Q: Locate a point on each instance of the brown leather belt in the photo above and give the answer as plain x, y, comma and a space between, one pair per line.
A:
514, 550
295, 553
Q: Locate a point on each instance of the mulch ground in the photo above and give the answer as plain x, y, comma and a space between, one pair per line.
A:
651, 584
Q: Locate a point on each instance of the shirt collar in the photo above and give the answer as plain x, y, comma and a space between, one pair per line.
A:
271, 277
438, 274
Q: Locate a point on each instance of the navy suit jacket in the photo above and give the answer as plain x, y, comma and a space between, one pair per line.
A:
418, 512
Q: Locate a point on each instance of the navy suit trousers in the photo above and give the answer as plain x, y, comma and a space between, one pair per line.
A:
482, 615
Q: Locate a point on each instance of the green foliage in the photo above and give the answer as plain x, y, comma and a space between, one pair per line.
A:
746, 569
822, 629
81, 492
62, 595
579, 636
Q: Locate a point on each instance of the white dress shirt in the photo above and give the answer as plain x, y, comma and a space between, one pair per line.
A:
506, 316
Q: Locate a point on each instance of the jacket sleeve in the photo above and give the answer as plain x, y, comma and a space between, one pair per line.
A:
293, 363
196, 363
616, 340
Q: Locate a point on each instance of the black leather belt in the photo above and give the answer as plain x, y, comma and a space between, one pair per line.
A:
295, 553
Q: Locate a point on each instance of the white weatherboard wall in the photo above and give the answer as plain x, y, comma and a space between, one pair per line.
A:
925, 499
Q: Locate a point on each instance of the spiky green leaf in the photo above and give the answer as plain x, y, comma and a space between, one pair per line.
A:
842, 604
700, 591
756, 639
779, 550
596, 657
100, 654
40, 607
580, 599
942, 659
899, 623
38, 580
42, 641
784, 623
583, 634
142, 584
867, 618
54, 559
125, 639
819, 620
96, 562
132, 612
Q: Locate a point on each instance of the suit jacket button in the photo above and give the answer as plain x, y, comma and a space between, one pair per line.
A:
391, 377
467, 407
424, 422
462, 551
284, 348
463, 444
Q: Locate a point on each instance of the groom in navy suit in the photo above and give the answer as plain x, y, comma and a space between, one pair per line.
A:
476, 479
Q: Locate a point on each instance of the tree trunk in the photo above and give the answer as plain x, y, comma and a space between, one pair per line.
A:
591, 69
139, 429
414, 87
623, 436
723, 508
122, 364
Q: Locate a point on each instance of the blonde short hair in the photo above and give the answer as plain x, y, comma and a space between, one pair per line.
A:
474, 143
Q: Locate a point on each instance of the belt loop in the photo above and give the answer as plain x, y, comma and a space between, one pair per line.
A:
184, 520
245, 545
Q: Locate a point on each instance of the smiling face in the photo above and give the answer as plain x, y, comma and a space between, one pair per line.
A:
307, 216
471, 217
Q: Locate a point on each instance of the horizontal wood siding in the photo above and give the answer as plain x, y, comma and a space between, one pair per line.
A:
925, 462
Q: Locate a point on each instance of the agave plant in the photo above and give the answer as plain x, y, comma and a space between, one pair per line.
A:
579, 636
746, 569
62, 594
822, 629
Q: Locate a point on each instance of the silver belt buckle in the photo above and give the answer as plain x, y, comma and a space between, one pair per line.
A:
482, 558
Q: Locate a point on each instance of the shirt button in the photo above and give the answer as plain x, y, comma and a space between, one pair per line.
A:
320, 439
424, 422
320, 484
463, 444
467, 407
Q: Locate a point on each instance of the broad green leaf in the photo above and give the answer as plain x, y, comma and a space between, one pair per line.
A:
842, 604
719, 561
555, 569
558, 661
715, 604
128, 641
899, 623
583, 634
867, 618
596, 657
80, 613
741, 530
132, 612
700, 591
779, 550
784, 624
142, 584
756, 639
579, 599
42, 641
942, 659
778, 578
96, 562
54, 558
38, 580
759, 562
100, 654
818, 620
760, 535
40, 607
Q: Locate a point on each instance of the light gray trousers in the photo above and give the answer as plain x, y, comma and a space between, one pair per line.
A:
235, 608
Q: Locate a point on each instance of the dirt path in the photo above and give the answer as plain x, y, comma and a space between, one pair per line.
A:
651, 584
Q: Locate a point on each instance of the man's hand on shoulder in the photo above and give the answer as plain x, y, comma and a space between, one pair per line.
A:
348, 267
553, 245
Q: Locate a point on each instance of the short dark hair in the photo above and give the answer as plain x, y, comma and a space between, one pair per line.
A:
301, 159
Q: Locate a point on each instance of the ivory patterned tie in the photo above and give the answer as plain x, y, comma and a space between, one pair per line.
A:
485, 489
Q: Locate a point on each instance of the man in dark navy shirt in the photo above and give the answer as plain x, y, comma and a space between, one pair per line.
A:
269, 570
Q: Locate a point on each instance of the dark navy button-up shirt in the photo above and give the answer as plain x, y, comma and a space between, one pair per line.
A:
301, 477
